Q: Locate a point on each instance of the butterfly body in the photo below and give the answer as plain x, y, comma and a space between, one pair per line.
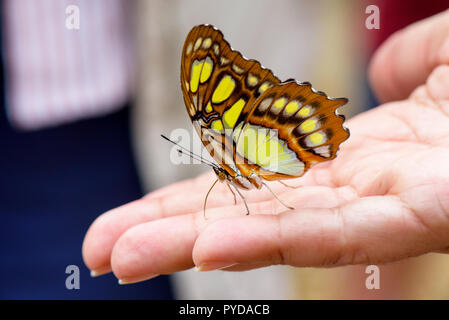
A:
254, 126
239, 181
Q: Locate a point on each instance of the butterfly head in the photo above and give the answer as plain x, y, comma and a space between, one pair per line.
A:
221, 174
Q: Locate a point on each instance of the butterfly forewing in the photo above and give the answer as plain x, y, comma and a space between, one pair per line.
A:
220, 87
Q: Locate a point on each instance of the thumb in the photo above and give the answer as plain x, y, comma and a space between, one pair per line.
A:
407, 58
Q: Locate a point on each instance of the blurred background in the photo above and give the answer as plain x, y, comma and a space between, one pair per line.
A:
88, 86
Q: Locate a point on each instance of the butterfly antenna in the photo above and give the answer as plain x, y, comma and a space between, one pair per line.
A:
190, 153
274, 194
207, 195
194, 157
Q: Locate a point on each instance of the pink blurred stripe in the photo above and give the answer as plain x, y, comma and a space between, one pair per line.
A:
56, 75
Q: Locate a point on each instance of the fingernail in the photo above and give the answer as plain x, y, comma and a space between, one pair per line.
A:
216, 265
136, 279
100, 271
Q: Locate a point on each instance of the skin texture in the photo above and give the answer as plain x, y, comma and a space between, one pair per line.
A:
384, 198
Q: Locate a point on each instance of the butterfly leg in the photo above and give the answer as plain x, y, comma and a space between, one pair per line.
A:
207, 195
233, 193
243, 198
288, 186
287, 206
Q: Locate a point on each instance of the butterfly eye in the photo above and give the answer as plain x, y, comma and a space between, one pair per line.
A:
222, 175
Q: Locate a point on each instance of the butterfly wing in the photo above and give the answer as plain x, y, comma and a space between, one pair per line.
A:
290, 128
247, 119
220, 87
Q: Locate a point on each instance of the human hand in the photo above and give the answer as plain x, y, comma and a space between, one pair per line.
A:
385, 197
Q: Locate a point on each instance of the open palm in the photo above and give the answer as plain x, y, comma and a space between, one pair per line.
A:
385, 197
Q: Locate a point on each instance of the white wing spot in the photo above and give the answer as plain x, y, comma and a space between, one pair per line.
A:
197, 43
207, 43
324, 151
265, 104
224, 61
237, 69
189, 48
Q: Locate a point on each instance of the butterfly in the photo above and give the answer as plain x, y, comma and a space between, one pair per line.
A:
256, 127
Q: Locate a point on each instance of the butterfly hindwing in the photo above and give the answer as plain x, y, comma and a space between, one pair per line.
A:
302, 129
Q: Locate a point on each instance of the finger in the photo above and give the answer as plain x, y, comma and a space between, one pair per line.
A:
406, 59
369, 230
236, 267
181, 198
186, 197
438, 84
435, 92
107, 228
444, 251
165, 246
